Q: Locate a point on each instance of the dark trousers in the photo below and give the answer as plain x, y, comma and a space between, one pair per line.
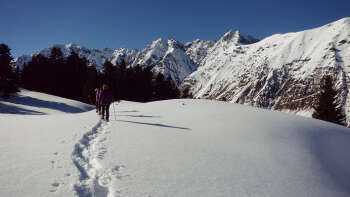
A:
105, 110
100, 108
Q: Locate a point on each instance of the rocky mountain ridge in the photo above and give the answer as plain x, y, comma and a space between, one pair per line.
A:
281, 72
167, 56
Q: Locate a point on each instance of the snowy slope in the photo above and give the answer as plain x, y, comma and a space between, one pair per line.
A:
35, 103
197, 50
172, 148
280, 72
37, 133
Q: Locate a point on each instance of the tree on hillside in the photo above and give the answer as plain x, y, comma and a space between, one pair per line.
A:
35, 74
91, 83
108, 72
72, 78
164, 88
8, 78
120, 76
328, 108
55, 64
57, 75
75, 75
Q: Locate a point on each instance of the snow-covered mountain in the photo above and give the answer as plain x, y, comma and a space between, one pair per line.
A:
168, 57
124, 54
165, 56
94, 56
198, 49
281, 72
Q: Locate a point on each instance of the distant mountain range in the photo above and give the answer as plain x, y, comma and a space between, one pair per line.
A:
170, 57
281, 72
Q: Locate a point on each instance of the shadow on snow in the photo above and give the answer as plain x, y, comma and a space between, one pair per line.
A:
140, 116
8, 109
127, 111
34, 102
153, 124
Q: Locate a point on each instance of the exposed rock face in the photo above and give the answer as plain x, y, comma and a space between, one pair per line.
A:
281, 72
197, 50
168, 57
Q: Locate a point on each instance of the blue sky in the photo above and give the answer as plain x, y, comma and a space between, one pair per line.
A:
30, 25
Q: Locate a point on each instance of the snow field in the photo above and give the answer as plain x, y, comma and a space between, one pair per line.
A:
169, 148
208, 148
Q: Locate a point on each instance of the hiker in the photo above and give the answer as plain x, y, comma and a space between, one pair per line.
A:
106, 98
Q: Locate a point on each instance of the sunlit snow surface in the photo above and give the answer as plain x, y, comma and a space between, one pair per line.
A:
170, 148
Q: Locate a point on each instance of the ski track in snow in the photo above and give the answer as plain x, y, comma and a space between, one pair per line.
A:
94, 180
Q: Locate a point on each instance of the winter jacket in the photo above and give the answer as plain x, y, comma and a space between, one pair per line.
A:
106, 97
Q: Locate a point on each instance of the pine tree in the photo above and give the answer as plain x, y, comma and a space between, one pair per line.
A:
120, 81
108, 67
165, 88
8, 78
90, 85
35, 74
75, 75
5, 61
327, 108
54, 75
108, 71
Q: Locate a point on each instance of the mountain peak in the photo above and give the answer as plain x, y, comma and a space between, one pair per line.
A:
230, 35
175, 44
238, 38
71, 45
160, 40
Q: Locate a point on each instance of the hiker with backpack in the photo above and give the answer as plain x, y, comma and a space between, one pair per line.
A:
105, 100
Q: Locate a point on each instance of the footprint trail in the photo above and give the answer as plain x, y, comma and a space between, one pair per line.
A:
94, 181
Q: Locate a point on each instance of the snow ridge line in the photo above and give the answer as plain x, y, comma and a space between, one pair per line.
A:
85, 157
